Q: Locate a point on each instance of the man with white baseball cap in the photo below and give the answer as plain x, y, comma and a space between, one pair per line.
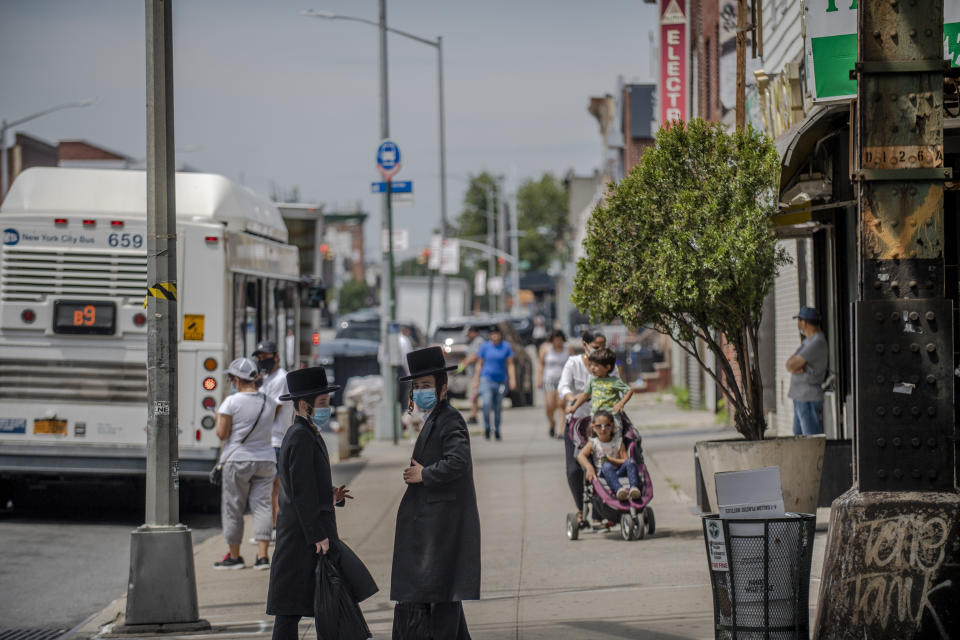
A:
274, 386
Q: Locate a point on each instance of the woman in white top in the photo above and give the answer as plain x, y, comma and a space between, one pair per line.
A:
244, 424
554, 353
573, 381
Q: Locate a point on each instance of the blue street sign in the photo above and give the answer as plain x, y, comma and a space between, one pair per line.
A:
400, 186
388, 155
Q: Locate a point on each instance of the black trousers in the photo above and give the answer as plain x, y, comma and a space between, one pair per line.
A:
286, 627
445, 621
574, 470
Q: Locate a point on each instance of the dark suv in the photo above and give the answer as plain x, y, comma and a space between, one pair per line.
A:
452, 337
365, 325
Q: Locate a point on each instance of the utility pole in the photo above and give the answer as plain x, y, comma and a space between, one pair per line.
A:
491, 259
389, 418
741, 105
515, 250
892, 567
445, 300
162, 589
502, 245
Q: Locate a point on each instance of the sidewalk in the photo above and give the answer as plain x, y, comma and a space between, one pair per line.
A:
535, 583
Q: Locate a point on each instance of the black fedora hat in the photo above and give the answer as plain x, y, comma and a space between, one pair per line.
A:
303, 383
426, 362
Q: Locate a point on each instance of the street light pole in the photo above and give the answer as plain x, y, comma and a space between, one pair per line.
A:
438, 45
4, 125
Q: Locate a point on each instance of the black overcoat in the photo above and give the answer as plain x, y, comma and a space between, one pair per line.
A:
306, 517
436, 549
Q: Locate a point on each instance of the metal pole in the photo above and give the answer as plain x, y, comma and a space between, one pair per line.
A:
3, 160
387, 306
515, 250
904, 496
443, 179
491, 262
162, 585
502, 246
741, 104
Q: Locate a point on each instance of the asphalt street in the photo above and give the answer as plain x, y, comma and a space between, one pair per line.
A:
67, 551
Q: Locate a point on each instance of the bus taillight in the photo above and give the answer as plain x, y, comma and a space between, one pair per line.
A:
28, 316
139, 319
207, 422
116, 224
89, 223
209, 403
210, 364
209, 384
198, 435
60, 222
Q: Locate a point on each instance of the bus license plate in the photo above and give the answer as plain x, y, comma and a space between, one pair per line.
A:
50, 426
77, 316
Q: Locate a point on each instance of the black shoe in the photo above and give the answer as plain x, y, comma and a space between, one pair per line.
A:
497, 436
472, 421
486, 435
262, 563
553, 433
230, 563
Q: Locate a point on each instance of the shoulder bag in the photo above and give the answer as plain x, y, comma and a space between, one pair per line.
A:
216, 474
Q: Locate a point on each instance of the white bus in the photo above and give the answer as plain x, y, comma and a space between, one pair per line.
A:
73, 329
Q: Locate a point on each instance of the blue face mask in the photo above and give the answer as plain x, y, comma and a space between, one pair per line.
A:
426, 399
321, 416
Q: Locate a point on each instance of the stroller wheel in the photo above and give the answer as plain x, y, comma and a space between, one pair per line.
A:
573, 527
651, 522
626, 527
639, 526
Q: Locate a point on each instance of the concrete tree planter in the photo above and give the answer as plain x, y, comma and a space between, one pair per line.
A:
800, 459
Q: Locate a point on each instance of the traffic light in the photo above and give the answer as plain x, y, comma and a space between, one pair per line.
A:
325, 251
501, 260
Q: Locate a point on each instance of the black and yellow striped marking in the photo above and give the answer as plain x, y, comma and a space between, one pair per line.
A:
161, 290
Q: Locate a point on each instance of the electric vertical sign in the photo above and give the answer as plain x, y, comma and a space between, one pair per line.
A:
673, 61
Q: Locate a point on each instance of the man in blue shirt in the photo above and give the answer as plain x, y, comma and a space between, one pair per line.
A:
808, 369
494, 372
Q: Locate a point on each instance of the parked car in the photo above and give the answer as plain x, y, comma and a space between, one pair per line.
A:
523, 325
365, 325
452, 336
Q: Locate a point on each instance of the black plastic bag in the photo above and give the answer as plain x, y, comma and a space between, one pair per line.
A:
336, 615
411, 621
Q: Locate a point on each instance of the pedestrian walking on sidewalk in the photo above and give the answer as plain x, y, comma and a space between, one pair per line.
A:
244, 420
495, 372
468, 365
274, 386
808, 370
554, 353
573, 381
436, 551
306, 522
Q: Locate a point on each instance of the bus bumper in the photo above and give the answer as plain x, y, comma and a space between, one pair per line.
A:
33, 460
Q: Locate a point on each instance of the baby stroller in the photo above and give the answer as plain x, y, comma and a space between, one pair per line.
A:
635, 517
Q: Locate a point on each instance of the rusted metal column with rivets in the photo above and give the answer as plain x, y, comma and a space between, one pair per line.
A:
892, 563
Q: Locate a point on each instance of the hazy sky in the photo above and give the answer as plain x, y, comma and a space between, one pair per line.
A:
265, 96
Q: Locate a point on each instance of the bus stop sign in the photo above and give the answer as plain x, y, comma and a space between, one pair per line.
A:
388, 159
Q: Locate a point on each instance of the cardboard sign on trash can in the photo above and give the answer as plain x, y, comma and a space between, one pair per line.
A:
753, 495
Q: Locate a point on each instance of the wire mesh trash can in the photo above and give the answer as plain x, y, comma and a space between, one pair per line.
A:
760, 575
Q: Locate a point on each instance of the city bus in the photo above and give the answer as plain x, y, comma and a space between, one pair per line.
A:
73, 325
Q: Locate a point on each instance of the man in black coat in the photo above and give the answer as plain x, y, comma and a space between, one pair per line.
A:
306, 523
436, 553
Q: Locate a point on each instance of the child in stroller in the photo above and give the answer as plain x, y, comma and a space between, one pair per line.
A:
606, 454
612, 504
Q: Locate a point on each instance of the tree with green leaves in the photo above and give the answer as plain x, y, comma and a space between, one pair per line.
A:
685, 244
542, 219
353, 295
